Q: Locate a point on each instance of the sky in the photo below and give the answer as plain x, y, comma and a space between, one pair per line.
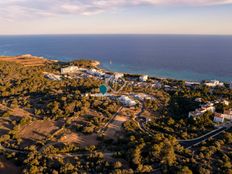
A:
115, 17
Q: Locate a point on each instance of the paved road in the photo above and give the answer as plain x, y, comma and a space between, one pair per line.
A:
193, 142
104, 128
186, 143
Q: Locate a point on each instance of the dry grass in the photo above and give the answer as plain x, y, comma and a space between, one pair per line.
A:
26, 60
38, 130
17, 112
79, 138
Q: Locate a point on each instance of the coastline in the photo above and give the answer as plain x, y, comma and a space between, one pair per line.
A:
127, 69
166, 74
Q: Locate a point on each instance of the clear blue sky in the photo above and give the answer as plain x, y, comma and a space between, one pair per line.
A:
115, 16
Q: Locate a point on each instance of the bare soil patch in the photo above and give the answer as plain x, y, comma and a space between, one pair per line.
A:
18, 112
79, 138
38, 130
115, 128
26, 60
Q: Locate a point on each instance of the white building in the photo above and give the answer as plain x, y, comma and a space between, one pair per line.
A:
95, 72
198, 100
118, 75
209, 107
226, 102
53, 77
196, 113
214, 83
70, 70
125, 100
187, 83
218, 118
143, 97
228, 115
143, 78
167, 88
228, 112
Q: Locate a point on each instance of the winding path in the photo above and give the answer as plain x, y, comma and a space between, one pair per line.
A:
193, 142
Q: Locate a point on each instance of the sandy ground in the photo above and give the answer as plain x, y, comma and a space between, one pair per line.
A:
3, 108
115, 128
15, 114
38, 130
79, 138
18, 112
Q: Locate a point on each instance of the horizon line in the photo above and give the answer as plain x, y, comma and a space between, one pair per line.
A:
185, 34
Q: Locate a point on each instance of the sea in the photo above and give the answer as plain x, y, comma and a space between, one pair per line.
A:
184, 57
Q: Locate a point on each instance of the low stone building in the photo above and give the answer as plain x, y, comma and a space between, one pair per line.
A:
95, 72
209, 107
53, 77
218, 118
118, 75
70, 70
143, 78
214, 83
126, 101
143, 97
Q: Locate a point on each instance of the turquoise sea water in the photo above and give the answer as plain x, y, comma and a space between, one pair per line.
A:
189, 57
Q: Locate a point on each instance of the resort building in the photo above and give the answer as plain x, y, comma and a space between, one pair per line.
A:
53, 77
70, 70
95, 72
199, 100
225, 102
189, 84
143, 97
209, 107
227, 115
222, 101
218, 118
168, 88
126, 101
143, 78
214, 83
228, 112
196, 113
118, 75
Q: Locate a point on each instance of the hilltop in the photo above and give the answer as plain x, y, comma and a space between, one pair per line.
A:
27, 60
